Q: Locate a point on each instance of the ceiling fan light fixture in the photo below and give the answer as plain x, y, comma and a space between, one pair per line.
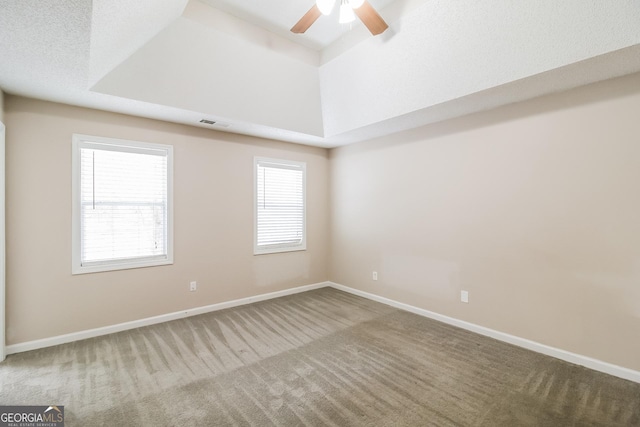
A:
346, 13
325, 6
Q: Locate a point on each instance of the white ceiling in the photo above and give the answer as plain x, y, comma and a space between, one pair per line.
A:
235, 61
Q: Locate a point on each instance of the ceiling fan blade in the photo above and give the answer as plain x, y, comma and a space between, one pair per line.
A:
305, 22
370, 18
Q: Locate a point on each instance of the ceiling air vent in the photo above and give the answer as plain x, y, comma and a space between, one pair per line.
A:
207, 122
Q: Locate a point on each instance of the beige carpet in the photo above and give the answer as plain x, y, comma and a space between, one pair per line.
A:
319, 358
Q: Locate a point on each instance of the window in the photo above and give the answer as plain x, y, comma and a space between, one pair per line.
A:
279, 206
122, 204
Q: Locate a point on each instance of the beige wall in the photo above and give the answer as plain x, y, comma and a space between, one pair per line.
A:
213, 229
532, 208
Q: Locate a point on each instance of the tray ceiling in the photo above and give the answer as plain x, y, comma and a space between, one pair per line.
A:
236, 63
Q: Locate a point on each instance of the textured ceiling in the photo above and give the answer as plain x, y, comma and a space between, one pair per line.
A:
117, 30
236, 62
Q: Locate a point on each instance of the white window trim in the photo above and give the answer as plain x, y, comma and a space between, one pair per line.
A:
272, 249
79, 141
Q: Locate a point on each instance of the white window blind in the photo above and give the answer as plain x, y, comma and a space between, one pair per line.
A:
123, 204
280, 206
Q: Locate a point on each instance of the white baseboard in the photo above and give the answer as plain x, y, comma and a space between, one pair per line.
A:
588, 362
595, 364
91, 333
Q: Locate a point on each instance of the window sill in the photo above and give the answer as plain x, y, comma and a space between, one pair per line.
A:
115, 266
267, 251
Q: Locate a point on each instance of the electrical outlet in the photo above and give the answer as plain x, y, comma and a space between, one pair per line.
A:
193, 286
464, 296
375, 275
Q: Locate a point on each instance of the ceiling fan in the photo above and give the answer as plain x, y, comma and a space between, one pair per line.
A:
367, 14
